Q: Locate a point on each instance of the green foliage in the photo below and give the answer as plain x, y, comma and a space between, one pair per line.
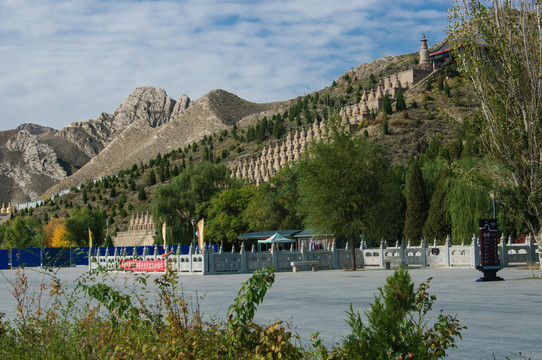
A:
400, 104
416, 205
343, 185
385, 129
505, 73
141, 194
386, 105
446, 89
226, 219
414, 104
151, 178
428, 86
252, 292
437, 225
188, 196
274, 203
467, 198
24, 232
396, 325
80, 221
440, 82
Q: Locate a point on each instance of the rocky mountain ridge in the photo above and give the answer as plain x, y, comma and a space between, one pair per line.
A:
34, 158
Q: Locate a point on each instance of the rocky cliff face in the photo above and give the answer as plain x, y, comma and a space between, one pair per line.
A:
213, 112
34, 158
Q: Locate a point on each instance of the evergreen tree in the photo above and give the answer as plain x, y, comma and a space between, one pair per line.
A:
447, 89
416, 205
132, 185
141, 195
175, 171
400, 104
84, 196
386, 105
151, 179
437, 225
428, 86
440, 83
385, 129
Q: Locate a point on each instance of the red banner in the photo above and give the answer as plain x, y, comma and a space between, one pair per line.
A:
143, 265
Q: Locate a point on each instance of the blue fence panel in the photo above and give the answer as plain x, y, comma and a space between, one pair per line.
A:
4, 259
56, 257
79, 255
30, 257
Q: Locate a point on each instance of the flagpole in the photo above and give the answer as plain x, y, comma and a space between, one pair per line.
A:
89, 249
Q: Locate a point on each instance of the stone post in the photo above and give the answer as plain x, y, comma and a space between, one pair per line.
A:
475, 251
381, 254
190, 255
361, 256
211, 257
334, 255
303, 253
423, 251
274, 257
155, 252
243, 259
448, 253
402, 253
504, 251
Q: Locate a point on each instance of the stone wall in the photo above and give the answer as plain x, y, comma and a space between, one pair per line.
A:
424, 255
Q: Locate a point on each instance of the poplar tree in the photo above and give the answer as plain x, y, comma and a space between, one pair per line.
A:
416, 205
400, 104
437, 225
501, 55
386, 105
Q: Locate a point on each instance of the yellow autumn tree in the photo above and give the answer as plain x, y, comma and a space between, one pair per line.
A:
56, 234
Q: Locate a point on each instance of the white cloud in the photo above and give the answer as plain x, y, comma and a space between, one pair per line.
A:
65, 61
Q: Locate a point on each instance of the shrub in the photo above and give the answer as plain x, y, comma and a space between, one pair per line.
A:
396, 325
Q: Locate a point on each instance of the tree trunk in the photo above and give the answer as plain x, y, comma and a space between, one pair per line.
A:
353, 247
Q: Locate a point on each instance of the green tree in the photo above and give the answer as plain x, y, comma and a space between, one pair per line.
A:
274, 205
342, 185
84, 196
80, 221
225, 220
400, 104
151, 178
386, 105
416, 205
397, 324
24, 232
141, 194
437, 225
385, 126
447, 88
505, 73
440, 82
188, 196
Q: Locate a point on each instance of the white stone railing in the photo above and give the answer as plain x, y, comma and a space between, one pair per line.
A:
243, 261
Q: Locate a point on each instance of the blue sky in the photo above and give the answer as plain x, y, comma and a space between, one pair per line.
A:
68, 60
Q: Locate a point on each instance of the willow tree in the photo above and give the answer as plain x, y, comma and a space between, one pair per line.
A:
344, 185
500, 50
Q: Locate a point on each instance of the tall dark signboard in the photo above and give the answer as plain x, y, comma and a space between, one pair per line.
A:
489, 250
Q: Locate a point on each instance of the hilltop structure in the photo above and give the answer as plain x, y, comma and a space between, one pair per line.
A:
140, 232
257, 169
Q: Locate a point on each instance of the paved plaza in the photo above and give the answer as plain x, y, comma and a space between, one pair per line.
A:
502, 317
